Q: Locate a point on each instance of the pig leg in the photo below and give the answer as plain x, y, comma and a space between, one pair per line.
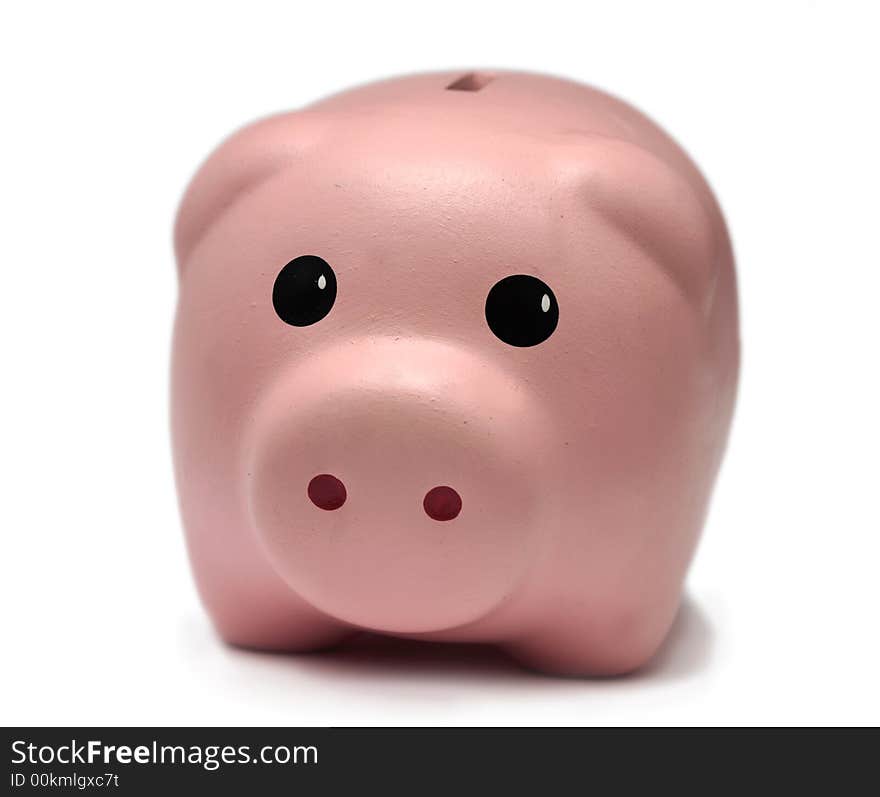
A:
249, 604
576, 645
273, 620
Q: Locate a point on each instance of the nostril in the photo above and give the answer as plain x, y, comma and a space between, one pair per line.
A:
327, 492
442, 503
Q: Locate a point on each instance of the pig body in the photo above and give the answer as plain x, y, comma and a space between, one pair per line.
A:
451, 363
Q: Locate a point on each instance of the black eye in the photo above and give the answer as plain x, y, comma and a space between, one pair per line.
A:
304, 291
521, 310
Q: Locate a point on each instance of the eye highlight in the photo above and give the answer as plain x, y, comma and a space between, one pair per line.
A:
521, 310
304, 291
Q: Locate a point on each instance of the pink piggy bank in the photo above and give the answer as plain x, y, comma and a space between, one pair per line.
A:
455, 358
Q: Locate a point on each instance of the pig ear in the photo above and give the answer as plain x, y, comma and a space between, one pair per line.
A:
241, 163
659, 202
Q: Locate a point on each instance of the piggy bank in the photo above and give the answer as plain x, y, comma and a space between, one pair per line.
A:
455, 358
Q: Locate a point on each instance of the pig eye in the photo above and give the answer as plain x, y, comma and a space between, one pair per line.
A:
304, 291
521, 310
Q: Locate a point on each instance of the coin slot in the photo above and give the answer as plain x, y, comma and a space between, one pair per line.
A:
472, 81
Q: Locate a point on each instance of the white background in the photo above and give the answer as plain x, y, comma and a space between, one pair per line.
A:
107, 110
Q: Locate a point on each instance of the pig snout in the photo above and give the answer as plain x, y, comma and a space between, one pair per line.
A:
396, 484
